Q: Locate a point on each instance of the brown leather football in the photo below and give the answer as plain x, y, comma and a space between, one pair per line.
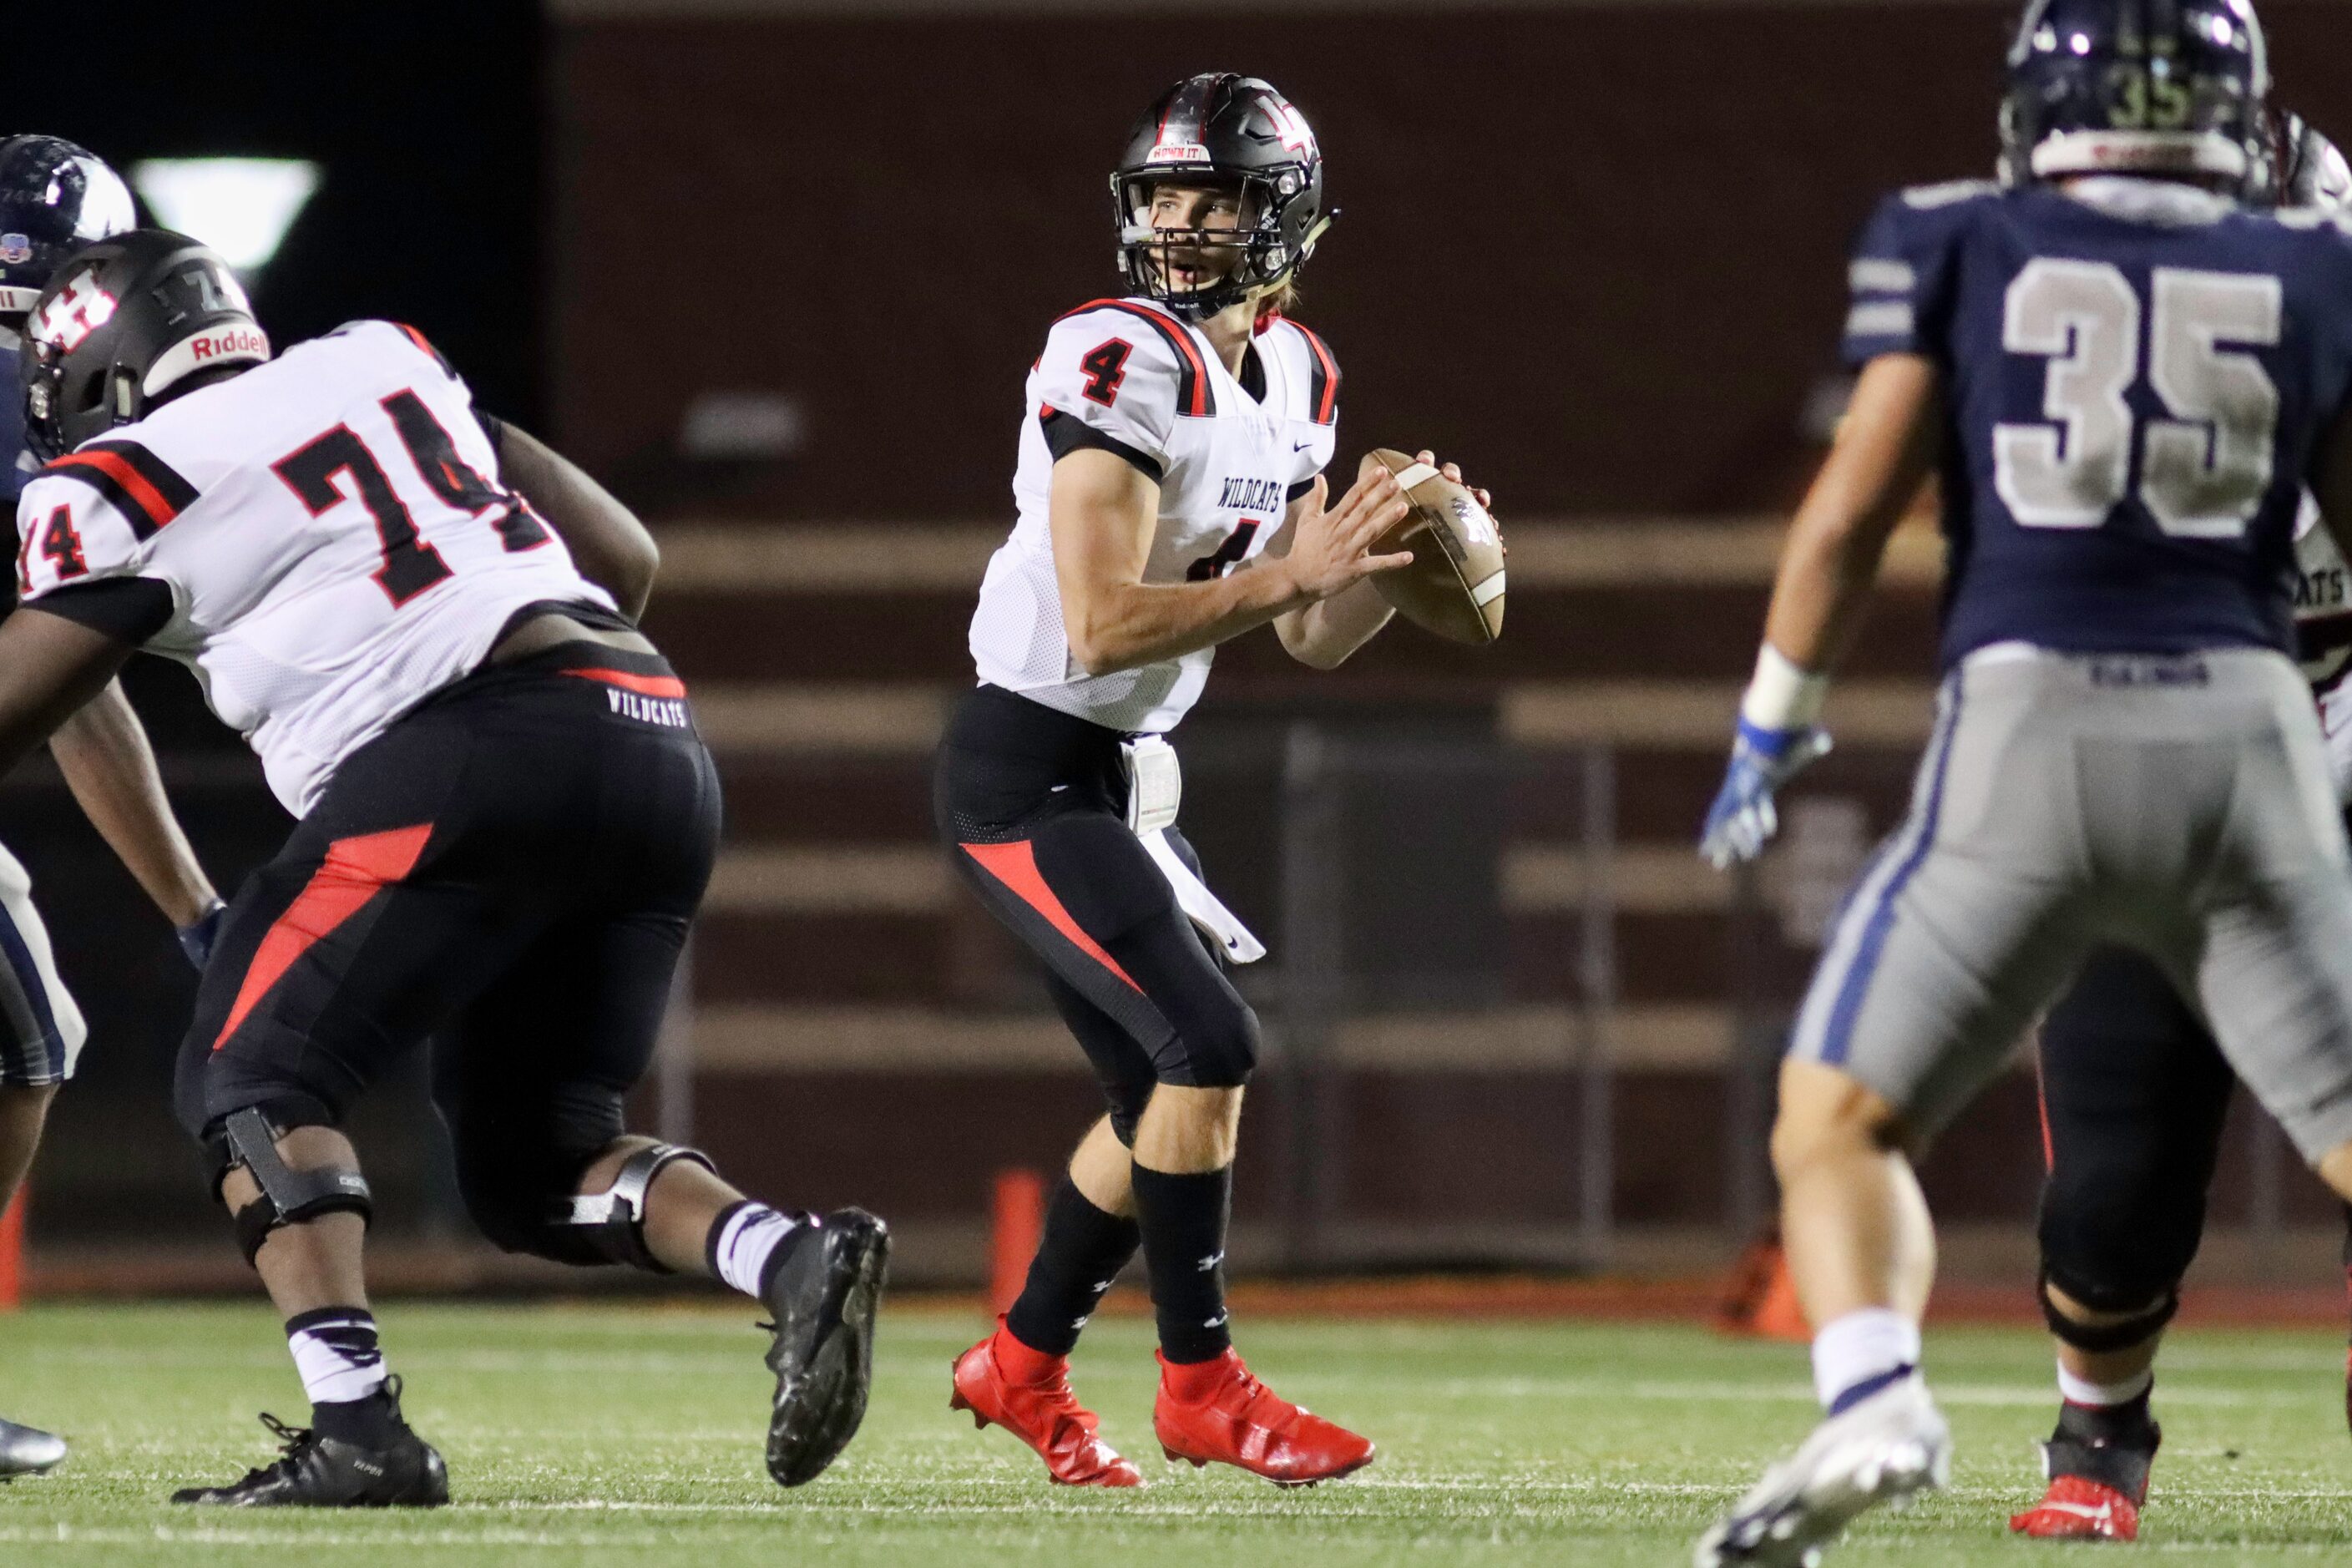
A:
1454, 585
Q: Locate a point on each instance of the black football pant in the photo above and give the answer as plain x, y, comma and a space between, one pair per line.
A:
2133, 1093
510, 868
1032, 805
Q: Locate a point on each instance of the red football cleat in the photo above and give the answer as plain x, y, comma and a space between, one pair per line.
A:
1028, 1392
2077, 1509
1218, 1411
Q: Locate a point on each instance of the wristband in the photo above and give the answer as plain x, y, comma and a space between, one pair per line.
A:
1782, 696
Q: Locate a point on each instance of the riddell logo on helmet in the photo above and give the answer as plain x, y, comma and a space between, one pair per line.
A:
241, 340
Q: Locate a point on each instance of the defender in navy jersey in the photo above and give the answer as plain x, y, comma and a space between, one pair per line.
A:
54, 196
2126, 377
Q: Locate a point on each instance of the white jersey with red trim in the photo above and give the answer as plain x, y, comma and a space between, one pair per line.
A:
1230, 453
331, 531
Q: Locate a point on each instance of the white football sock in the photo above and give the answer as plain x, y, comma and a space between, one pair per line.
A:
2103, 1395
336, 1351
1859, 1346
746, 1242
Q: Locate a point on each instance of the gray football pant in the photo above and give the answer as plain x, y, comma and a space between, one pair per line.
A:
2180, 807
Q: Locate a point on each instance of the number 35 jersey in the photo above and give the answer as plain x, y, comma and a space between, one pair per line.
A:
2138, 377
1229, 454
330, 532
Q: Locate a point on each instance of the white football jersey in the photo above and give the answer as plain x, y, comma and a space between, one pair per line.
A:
1128, 376
2323, 626
332, 532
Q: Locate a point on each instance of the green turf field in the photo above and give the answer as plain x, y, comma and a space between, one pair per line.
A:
632, 1436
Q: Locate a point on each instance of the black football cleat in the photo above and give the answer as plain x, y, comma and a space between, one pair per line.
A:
27, 1452
326, 1472
823, 1297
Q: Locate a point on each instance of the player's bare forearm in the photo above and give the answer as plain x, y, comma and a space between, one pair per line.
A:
1325, 635
1128, 625
50, 668
610, 546
1882, 455
103, 752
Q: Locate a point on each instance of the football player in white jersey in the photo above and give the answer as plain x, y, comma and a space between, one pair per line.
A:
506, 821
1171, 497
54, 197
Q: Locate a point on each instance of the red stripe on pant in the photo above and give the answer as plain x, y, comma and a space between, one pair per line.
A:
354, 871
1015, 866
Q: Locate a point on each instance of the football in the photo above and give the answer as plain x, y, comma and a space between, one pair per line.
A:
1454, 585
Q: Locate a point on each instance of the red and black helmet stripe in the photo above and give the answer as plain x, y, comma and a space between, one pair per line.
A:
1192, 368
1323, 378
148, 491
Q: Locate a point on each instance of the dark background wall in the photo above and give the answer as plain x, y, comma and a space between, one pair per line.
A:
1597, 252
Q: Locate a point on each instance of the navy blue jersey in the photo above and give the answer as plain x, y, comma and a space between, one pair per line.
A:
2137, 378
12, 472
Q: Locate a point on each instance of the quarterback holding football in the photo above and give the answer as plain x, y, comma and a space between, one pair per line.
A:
1171, 497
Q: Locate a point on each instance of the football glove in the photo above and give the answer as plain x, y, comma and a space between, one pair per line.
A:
1742, 820
196, 941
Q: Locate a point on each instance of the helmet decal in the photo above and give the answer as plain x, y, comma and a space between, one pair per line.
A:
77, 309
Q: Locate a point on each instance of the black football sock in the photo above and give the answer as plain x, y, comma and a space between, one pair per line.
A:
1183, 1219
337, 1353
1081, 1253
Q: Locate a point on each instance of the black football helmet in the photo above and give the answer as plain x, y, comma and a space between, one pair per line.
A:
2169, 87
125, 324
1220, 129
54, 198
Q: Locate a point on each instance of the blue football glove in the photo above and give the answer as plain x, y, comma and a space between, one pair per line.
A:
196, 941
1742, 820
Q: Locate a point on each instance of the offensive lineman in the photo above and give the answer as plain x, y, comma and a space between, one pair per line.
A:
2126, 378
2135, 1091
506, 821
54, 196
1170, 498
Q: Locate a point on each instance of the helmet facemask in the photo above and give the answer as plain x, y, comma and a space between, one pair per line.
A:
1255, 253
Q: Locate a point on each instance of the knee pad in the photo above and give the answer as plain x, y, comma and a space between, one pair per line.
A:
2098, 1339
247, 1139
610, 1226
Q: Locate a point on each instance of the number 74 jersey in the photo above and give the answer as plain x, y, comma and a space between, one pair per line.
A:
2137, 378
323, 539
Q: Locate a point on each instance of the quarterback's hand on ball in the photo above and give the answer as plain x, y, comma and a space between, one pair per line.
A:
196, 941
1453, 471
1742, 820
1331, 551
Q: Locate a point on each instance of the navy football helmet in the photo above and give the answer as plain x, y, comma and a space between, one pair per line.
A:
54, 198
1219, 129
2169, 87
127, 323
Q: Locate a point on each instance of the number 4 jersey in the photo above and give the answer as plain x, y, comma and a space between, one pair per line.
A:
1229, 453
2138, 377
322, 539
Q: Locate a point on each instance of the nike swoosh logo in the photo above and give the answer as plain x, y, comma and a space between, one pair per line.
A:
1300, 445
